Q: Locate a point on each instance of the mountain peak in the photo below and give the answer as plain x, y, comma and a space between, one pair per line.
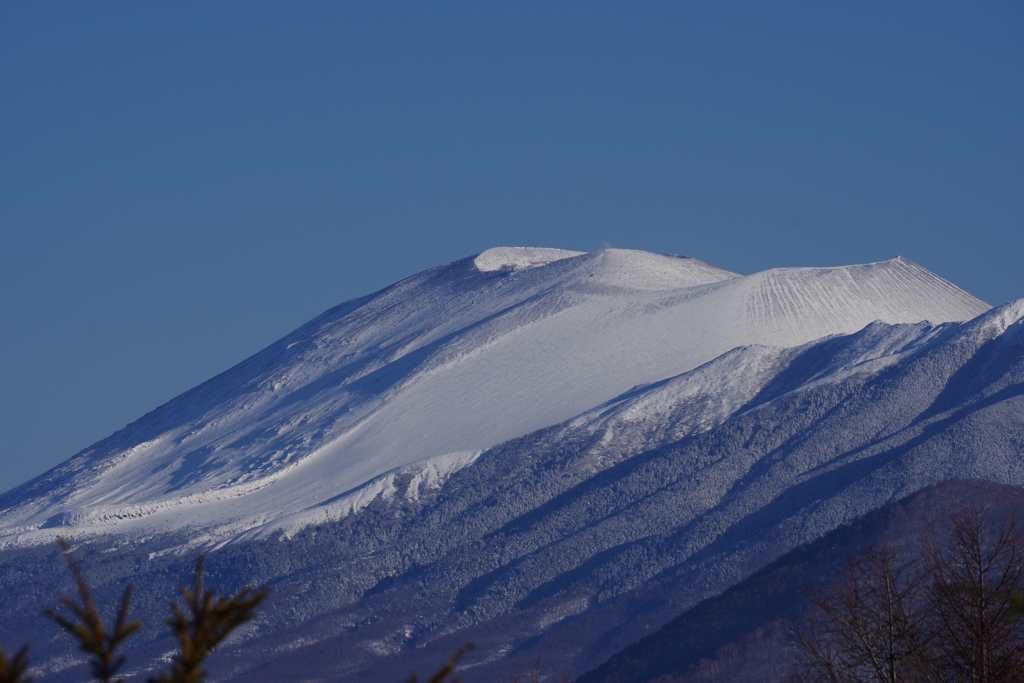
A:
450, 361
523, 446
516, 258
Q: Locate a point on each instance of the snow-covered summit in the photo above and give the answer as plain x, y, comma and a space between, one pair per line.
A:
440, 366
509, 258
613, 267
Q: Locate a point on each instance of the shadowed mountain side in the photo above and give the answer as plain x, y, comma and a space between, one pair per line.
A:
737, 636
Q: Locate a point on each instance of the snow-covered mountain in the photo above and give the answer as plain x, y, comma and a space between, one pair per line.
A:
546, 452
432, 371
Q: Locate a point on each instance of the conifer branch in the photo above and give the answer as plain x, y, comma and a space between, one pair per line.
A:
203, 623
86, 625
13, 670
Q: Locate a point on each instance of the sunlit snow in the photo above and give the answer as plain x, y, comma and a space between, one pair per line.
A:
424, 375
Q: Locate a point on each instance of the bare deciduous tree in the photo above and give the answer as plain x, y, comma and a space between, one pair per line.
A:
952, 618
974, 577
865, 625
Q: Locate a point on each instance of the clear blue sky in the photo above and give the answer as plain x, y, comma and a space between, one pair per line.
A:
182, 183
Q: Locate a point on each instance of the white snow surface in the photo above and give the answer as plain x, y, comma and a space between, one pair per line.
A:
512, 258
423, 376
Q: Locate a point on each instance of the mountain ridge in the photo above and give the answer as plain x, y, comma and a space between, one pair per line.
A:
358, 384
697, 461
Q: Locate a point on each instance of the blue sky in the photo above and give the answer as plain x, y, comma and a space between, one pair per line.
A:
183, 183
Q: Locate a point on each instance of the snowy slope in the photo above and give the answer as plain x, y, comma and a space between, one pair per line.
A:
712, 444
421, 377
575, 540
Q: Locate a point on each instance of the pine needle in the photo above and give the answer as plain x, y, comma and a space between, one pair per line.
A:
13, 670
86, 625
203, 623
